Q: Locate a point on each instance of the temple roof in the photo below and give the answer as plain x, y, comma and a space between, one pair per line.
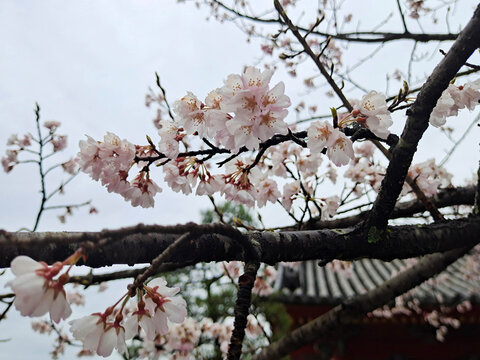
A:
314, 284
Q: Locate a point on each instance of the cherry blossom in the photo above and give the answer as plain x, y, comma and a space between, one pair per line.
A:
319, 136
258, 111
140, 318
98, 334
329, 206
51, 125
36, 293
373, 112
341, 150
455, 98
162, 304
170, 135
184, 337
289, 191
142, 190
263, 284
59, 142
190, 114
267, 190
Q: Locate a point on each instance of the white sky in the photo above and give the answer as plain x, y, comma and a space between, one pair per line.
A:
89, 64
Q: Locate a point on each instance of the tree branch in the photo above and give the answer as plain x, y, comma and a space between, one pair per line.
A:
418, 117
141, 244
444, 198
357, 36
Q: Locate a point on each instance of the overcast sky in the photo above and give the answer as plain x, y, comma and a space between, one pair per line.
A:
89, 65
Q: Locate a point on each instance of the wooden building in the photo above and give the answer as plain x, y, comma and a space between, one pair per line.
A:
311, 290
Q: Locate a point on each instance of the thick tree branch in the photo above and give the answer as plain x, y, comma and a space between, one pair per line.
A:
357, 307
141, 244
418, 117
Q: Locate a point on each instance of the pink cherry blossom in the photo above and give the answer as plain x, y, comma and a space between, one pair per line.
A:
266, 190
141, 318
184, 337
52, 125
445, 107
9, 161
289, 191
36, 293
70, 166
365, 149
258, 111
455, 98
59, 142
319, 136
191, 115
254, 328
329, 206
170, 137
263, 284
233, 268
308, 165
173, 178
142, 190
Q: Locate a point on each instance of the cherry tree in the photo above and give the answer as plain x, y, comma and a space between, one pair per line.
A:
336, 166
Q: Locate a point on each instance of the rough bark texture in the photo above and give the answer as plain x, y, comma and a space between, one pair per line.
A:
141, 244
242, 305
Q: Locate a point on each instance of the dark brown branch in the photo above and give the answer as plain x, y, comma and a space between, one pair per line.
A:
418, 117
145, 244
94, 279
445, 198
295, 31
242, 305
358, 36
357, 307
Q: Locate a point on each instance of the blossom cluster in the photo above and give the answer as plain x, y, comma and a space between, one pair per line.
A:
453, 99
39, 289
156, 307
428, 175
23, 143
238, 117
232, 124
110, 161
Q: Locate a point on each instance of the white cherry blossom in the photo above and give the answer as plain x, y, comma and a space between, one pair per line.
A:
374, 113
36, 292
341, 150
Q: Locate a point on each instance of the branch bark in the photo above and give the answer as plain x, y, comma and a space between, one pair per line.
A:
445, 198
141, 244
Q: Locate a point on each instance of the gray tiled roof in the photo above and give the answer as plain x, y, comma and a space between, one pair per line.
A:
313, 284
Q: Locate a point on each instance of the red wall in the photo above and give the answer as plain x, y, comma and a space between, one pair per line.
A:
401, 337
